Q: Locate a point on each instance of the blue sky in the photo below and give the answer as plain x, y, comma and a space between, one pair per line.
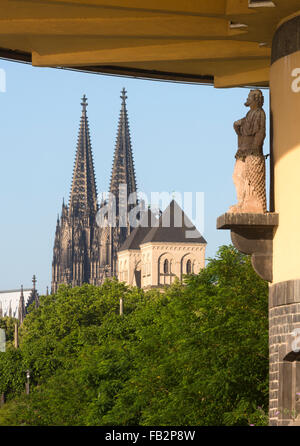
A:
182, 139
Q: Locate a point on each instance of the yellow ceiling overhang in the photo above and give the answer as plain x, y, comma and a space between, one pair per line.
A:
220, 42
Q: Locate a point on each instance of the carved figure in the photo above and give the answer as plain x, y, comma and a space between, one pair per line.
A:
249, 170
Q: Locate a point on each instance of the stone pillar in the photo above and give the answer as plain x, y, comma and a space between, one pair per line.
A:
284, 319
285, 200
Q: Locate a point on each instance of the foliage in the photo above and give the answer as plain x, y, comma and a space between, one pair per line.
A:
195, 354
12, 380
8, 324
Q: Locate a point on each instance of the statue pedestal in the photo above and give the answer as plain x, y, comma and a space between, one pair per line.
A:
253, 234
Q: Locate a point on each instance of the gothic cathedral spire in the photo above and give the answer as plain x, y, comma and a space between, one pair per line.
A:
76, 253
123, 165
83, 197
122, 185
83, 252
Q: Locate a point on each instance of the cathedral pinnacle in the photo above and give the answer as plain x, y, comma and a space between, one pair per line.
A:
123, 97
84, 102
34, 282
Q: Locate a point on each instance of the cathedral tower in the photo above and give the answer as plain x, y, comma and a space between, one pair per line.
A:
76, 254
122, 185
83, 251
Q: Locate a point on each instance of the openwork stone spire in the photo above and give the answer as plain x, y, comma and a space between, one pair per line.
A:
123, 165
83, 198
84, 252
122, 178
76, 253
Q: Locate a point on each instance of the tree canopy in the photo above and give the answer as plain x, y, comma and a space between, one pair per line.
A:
195, 353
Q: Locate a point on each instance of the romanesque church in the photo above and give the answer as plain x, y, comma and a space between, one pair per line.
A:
83, 251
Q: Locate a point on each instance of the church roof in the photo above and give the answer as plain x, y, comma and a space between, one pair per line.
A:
9, 299
138, 234
174, 227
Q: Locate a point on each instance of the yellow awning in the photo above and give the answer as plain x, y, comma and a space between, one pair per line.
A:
221, 42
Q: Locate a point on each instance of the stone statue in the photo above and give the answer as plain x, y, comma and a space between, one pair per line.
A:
249, 170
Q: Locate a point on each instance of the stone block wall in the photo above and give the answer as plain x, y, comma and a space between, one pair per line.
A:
284, 319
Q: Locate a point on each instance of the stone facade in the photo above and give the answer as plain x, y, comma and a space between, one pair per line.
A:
158, 264
284, 317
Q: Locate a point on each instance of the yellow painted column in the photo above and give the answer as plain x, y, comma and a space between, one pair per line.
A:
285, 114
284, 303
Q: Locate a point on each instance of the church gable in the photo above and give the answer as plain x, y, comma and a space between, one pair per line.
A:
166, 253
174, 226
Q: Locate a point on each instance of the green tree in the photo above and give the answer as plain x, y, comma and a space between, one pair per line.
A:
195, 354
203, 351
8, 324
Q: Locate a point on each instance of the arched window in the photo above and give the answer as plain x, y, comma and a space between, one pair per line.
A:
188, 267
166, 266
289, 382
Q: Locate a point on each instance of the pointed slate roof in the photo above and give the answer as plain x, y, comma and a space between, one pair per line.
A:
123, 165
83, 197
172, 227
138, 234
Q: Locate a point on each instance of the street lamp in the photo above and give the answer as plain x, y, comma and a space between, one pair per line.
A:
27, 382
